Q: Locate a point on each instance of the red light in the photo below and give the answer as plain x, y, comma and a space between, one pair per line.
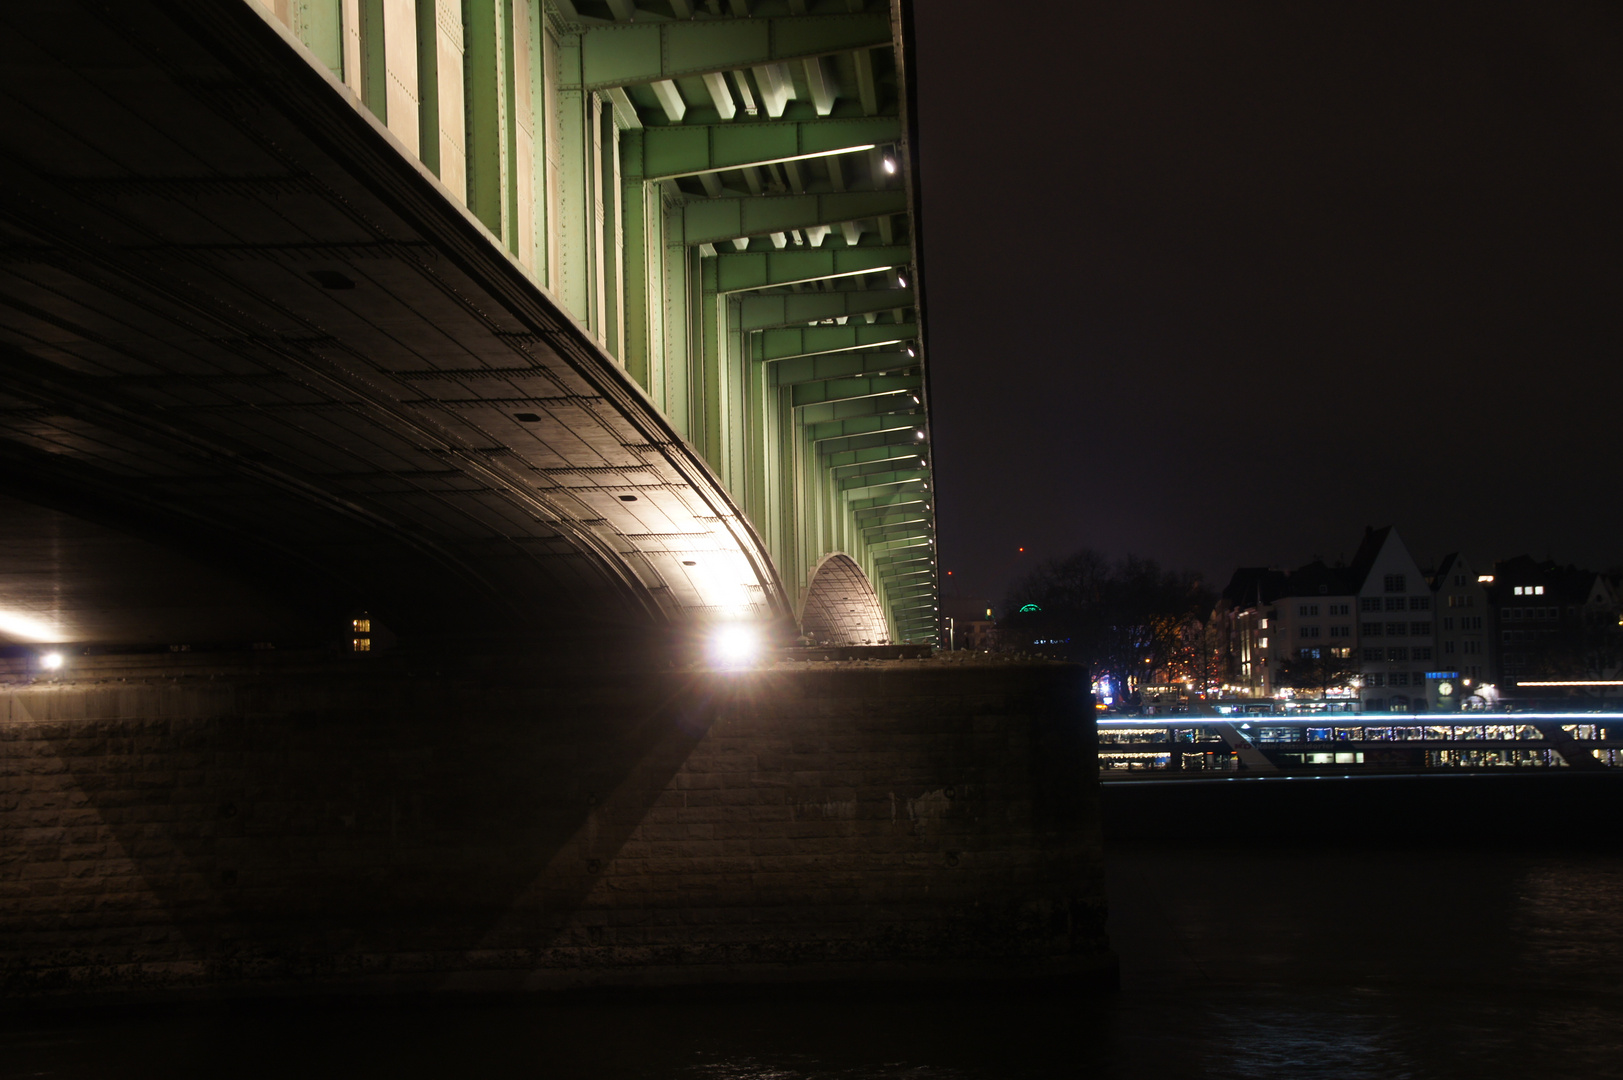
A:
1022, 549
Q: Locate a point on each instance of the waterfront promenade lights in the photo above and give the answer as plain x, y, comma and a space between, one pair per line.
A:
735, 645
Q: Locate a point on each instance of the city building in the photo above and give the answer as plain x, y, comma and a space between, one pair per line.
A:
1364, 632
1464, 636
1397, 635
1552, 624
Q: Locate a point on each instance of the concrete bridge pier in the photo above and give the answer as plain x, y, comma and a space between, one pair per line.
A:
277, 822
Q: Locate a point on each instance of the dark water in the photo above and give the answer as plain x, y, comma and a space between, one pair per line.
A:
1241, 962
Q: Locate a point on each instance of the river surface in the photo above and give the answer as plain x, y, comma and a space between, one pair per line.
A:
1242, 961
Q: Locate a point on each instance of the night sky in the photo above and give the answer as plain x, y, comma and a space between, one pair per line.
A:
1222, 283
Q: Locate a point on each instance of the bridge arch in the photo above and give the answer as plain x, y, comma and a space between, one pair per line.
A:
841, 607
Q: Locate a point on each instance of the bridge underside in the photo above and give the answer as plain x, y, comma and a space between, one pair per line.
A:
234, 313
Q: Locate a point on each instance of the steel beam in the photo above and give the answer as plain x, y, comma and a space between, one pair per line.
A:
895, 437
892, 532
889, 463
892, 476
741, 271
710, 221
852, 389
896, 451
764, 311
787, 342
913, 498
622, 54
838, 365
828, 412
673, 150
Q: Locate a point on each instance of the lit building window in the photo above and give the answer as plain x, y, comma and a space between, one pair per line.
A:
360, 633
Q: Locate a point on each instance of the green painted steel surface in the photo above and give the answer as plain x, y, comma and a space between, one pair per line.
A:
726, 203
690, 149
624, 54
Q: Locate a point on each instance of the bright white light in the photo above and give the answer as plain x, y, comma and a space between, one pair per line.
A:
901, 279
735, 644
26, 626
51, 661
890, 164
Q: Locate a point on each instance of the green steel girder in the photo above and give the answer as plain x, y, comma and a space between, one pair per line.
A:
874, 513
740, 271
872, 466
884, 479
895, 451
623, 54
894, 498
889, 404
794, 342
892, 532
899, 448
853, 389
896, 437
863, 425
710, 221
805, 369
764, 311
866, 490
899, 520
690, 149
579, 189
914, 517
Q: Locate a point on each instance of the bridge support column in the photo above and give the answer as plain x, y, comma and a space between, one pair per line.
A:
465, 822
